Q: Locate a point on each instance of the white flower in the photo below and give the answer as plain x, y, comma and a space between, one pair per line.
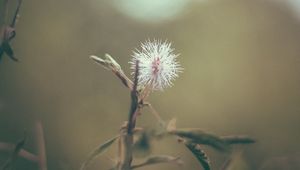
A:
157, 64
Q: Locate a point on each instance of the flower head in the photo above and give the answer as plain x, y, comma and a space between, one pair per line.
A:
157, 64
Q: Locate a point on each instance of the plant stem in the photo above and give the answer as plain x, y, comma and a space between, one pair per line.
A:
127, 137
42, 159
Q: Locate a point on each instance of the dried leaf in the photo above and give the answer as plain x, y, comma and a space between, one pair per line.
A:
159, 159
171, 125
200, 137
113, 63
199, 154
100, 61
237, 140
110, 64
98, 151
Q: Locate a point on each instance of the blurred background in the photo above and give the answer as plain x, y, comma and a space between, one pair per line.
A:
241, 75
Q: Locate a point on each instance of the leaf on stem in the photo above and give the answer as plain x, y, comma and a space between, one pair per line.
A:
200, 137
110, 64
98, 151
237, 140
199, 154
159, 159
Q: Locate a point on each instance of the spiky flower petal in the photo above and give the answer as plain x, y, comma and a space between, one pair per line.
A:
157, 64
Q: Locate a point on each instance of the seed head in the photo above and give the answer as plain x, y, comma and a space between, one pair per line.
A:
157, 64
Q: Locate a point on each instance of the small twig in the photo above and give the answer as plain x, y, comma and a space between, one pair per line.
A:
145, 93
14, 21
42, 159
155, 113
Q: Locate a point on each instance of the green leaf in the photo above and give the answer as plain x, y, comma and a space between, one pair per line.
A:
13, 157
199, 154
200, 137
237, 140
98, 151
159, 159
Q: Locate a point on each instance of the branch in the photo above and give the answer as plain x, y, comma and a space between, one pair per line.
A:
14, 21
127, 135
42, 159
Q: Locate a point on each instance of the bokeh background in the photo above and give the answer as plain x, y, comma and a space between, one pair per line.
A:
241, 75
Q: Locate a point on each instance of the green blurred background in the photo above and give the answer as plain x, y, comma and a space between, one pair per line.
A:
241, 75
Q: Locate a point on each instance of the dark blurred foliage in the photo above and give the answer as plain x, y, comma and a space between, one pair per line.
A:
241, 76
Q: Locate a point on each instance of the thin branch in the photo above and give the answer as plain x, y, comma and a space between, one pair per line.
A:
155, 113
42, 159
14, 21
